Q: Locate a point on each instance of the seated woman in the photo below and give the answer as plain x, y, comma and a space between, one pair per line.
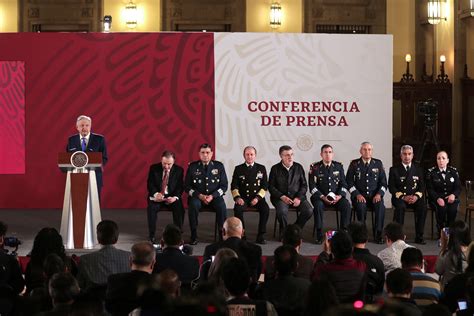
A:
452, 258
46, 242
444, 187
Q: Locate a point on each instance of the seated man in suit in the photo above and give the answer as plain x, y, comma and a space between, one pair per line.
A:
232, 238
173, 258
407, 186
327, 185
165, 189
292, 236
88, 142
249, 185
122, 294
94, 268
287, 186
206, 183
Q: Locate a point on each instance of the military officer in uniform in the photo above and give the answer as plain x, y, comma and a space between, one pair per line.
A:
444, 187
205, 183
367, 185
249, 185
406, 184
327, 185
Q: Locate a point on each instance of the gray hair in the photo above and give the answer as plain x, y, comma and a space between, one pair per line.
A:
250, 147
366, 143
83, 117
405, 147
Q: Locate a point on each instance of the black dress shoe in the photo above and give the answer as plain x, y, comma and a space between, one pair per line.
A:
318, 241
193, 242
379, 240
420, 241
261, 240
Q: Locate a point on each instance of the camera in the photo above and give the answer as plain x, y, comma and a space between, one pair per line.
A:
429, 110
446, 230
330, 234
12, 242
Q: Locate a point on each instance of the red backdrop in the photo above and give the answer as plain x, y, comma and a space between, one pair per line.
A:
144, 92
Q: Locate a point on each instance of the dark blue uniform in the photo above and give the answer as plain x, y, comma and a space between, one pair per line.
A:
207, 180
401, 183
439, 185
368, 179
322, 181
249, 182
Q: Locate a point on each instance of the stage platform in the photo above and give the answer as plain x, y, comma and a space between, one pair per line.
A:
25, 223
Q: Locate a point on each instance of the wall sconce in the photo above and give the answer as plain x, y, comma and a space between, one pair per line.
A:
131, 15
442, 77
275, 15
436, 11
407, 76
107, 23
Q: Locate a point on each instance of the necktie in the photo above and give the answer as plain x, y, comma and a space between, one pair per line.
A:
443, 172
83, 144
408, 169
205, 168
366, 164
164, 184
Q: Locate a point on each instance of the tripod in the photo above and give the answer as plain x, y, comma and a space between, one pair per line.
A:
429, 135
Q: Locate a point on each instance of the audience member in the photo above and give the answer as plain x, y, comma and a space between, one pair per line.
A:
232, 233
215, 274
173, 258
63, 289
466, 308
94, 268
169, 283
236, 277
47, 241
426, 290
320, 298
292, 236
122, 289
395, 241
436, 310
335, 263
9, 266
286, 292
375, 269
452, 258
87, 304
399, 287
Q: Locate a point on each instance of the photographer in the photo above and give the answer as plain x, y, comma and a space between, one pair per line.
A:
10, 272
174, 258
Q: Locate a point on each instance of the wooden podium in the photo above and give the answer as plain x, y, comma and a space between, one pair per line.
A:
81, 208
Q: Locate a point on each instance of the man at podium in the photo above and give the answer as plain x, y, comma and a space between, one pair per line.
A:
88, 142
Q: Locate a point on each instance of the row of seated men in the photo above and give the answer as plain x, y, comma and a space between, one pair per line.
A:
206, 182
345, 272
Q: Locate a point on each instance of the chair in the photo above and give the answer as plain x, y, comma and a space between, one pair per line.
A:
328, 208
290, 209
469, 201
207, 208
369, 209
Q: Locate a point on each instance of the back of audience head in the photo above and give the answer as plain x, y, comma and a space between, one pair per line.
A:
53, 264
470, 258
107, 232
399, 283
3, 232
321, 297
459, 237
236, 276
87, 305
470, 291
168, 282
171, 236
292, 236
285, 260
143, 256
222, 256
358, 233
341, 245
436, 310
232, 228
412, 258
48, 240
393, 232
63, 288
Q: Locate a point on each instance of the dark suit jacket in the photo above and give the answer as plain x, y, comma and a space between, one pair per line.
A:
400, 183
290, 183
96, 144
175, 180
121, 296
250, 252
185, 266
439, 187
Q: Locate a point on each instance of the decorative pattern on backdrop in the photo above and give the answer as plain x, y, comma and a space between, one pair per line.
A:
12, 117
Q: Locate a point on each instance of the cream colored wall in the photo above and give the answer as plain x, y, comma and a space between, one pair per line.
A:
470, 47
149, 19
401, 24
258, 16
8, 16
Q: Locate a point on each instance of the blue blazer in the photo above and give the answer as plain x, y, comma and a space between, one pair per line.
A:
96, 144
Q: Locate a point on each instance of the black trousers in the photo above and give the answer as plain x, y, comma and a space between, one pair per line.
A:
377, 208
195, 204
419, 207
153, 209
262, 208
342, 206
445, 215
